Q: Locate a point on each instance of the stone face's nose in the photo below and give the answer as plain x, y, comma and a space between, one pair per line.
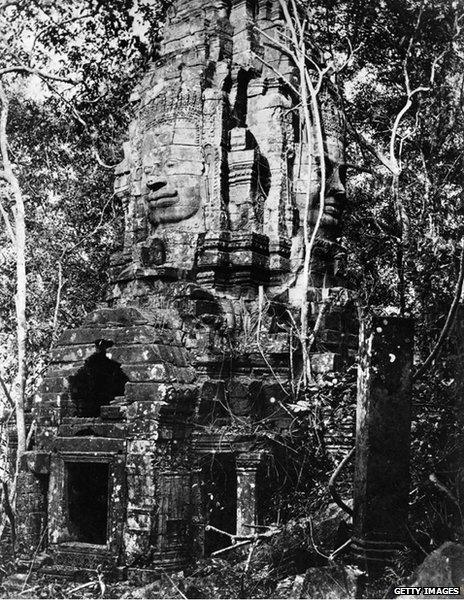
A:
335, 185
154, 184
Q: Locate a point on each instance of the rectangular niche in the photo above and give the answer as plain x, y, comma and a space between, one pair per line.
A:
87, 497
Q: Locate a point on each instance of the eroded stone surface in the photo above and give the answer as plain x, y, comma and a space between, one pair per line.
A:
213, 182
443, 567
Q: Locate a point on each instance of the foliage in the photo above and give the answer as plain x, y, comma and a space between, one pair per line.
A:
58, 133
401, 232
398, 67
404, 248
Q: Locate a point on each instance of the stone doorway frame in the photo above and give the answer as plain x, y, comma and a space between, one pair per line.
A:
87, 450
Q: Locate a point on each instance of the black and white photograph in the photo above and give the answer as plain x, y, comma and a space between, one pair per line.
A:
231, 299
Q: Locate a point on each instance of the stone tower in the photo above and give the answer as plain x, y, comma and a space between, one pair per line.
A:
151, 407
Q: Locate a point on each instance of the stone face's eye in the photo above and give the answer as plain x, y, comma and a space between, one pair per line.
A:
170, 164
329, 168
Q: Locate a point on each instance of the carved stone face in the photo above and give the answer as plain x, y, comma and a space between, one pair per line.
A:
173, 166
335, 192
334, 201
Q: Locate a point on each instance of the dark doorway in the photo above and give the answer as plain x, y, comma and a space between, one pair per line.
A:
88, 501
98, 382
220, 500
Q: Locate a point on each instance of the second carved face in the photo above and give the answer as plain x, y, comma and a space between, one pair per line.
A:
334, 200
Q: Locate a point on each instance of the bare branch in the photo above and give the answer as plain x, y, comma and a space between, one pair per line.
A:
58, 299
80, 120
7, 3
331, 485
349, 56
408, 51
99, 160
277, 44
279, 75
297, 19
393, 160
42, 74
438, 484
59, 24
6, 392
8, 226
364, 142
289, 22
450, 319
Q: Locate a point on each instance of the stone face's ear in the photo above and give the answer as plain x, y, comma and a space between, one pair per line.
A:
213, 187
122, 172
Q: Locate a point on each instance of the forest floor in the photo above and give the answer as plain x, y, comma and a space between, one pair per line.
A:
295, 562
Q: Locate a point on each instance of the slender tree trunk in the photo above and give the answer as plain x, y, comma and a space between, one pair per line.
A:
312, 119
11, 180
21, 326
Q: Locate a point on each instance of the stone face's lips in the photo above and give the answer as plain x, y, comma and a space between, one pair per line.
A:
163, 198
333, 205
332, 210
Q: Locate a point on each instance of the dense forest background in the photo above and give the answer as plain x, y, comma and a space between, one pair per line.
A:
67, 70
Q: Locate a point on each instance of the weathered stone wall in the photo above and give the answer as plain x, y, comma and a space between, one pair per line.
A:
203, 309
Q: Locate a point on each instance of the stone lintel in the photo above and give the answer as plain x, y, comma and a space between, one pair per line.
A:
88, 447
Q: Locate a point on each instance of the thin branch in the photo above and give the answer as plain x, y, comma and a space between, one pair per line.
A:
6, 392
58, 298
351, 52
77, 115
336, 552
8, 3
332, 481
173, 584
100, 161
42, 74
31, 432
279, 75
408, 51
297, 19
438, 484
364, 142
229, 548
8, 226
393, 160
53, 25
277, 44
448, 323
288, 50
311, 536
9, 512
288, 20
60, 268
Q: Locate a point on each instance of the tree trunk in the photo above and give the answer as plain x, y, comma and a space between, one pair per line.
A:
10, 178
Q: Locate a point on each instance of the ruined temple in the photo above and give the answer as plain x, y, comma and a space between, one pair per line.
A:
150, 410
